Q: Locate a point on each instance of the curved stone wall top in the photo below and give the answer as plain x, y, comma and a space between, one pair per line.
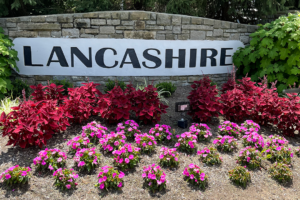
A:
126, 24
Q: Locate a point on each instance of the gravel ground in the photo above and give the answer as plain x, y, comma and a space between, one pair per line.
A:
41, 184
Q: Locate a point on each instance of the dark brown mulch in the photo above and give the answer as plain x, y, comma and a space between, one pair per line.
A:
219, 187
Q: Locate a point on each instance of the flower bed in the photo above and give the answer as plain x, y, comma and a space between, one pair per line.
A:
168, 157
161, 133
229, 128
209, 156
226, 143
50, 159
201, 130
145, 142
110, 178
112, 141
15, 175
65, 178
154, 178
277, 141
87, 159
254, 139
278, 154
93, 131
129, 128
78, 143
196, 176
186, 142
126, 157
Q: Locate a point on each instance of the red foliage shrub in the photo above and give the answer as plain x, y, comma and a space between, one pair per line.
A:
33, 123
204, 101
49, 92
146, 104
38, 92
114, 106
92, 93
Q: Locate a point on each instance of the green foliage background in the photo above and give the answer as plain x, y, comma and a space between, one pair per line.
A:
273, 51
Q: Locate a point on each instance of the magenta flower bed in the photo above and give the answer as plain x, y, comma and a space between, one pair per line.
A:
50, 159
154, 177
110, 178
161, 133
195, 176
112, 141
15, 175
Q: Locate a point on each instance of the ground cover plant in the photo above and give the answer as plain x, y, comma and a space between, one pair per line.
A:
201, 130
51, 159
196, 176
161, 133
112, 141
278, 154
65, 178
126, 157
110, 178
240, 176
169, 157
281, 172
145, 142
16, 175
87, 159
93, 131
186, 142
129, 128
210, 156
250, 157
154, 178
225, 143
229, 128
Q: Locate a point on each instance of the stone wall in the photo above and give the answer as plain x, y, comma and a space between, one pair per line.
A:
126, 24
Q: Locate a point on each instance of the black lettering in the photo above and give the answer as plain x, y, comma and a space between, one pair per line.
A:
60, 55
193, 54
223, 56
169, 58
28, 57
99, 57
133, 58
204, 57
152, 58
75, 51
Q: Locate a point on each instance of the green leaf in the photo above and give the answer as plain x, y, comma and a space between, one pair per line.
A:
293, 45
284, 53
263, 51
292, 79
295, 71
267, 42
273, 53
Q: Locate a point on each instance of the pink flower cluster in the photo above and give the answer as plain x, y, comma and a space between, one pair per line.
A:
78, 143
169, 157
154, 177
277, 141
126, 157
201, 130
51, 159
129, 128
110, 178
65, 178
226, 143
229, 128
87, 158
93, 131
112, 141
186, 141
145, 142
210, 156
15, 175
161, 132
195, 175
254, 139
250, 157
249, 126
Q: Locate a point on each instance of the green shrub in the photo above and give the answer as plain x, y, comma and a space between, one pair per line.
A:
273, 51
8, 58
111, 84
168, 87
17, 88
240, 176
281, 172
66, 84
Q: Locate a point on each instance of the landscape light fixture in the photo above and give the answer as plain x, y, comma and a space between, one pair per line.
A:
182, 107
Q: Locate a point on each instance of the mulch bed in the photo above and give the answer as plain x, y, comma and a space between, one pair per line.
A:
220, 187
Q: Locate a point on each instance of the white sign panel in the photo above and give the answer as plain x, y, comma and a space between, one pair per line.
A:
123, 57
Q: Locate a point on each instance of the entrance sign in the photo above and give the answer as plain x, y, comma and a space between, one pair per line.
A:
123, 57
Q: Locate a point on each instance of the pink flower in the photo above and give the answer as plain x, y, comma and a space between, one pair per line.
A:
248, 159
202, 178
169, 137
131, 157
278, 148
292, 154
68, 186
150, 143
144, 175
50, 167
191, 166
7, 176
161, 156
127, 160
82, 163
191, 176
59, 159
102, 186
120, 184
121, 175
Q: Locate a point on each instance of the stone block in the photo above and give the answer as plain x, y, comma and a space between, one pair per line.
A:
11, 25
117, 36
198, 35
2, 22
197, 27
183, 36
252, 29
234, 36
218, 24
218, 32
87, 36
82, 23
226, 25
72, 33
153, 16
28, 81
67, 25
51, 18
231, 31
98, 22
169, 28
185, 20
25, 19
170, 37
107, 29
105, 15
176, 20
90, 15
242, 26
120, 15
102, 36
245, 39
44, 34
242, 30
38, 19
23, 34
39, 26
164, 32
160, 36
43, 78
154, 27
164, 19
157, 78
196, 20
60, 78
65, 18
140, 34
78, 15
139, 25
209, 21
13, 20
56, 34
77, 78
191, 79
233, 25
176, 29
91, 31
13, 29
124, 27
138, 15
113, 22
209, 33
128, 23
226, 34
5, 31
